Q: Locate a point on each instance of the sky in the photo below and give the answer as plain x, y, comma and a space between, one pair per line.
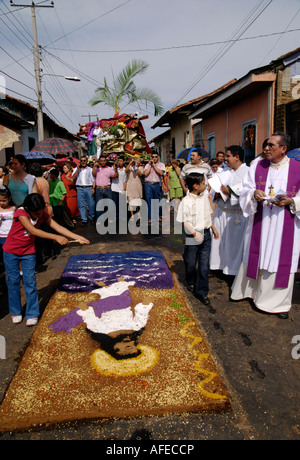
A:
192, 48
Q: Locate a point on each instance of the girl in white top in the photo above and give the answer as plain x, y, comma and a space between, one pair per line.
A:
7, 209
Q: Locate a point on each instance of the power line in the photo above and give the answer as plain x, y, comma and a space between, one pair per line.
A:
24, 68
15, 79
244, 26
92, 80
89, 22
168, 48
19, 94
281, 34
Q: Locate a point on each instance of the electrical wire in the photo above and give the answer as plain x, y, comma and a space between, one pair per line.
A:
21, 82
281, 35
89, 22
243, 27
169, 48
94, 82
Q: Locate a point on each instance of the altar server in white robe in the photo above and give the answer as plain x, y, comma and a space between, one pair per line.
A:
270, 196
227, 252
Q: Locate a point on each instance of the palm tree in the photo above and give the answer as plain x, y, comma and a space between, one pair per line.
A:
124, 88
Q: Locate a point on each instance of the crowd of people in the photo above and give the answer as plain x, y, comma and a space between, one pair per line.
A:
242, 220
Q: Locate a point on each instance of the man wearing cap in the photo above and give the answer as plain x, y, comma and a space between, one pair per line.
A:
270, 197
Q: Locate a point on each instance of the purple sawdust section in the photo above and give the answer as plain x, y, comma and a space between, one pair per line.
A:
72, 319
147, 268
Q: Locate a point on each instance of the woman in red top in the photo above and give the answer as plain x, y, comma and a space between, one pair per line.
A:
70, 203
19, 248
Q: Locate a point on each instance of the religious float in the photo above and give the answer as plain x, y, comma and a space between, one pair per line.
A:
121, 135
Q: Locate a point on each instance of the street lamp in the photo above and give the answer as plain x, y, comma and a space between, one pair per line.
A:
40, 120
66, 77
37, 70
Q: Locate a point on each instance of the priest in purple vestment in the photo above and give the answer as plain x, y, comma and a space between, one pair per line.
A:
270, 197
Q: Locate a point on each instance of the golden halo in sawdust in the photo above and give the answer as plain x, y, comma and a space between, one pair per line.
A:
106, 365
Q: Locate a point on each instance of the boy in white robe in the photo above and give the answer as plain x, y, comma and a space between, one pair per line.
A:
227, 252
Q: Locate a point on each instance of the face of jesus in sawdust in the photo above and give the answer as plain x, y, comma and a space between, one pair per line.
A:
120, 344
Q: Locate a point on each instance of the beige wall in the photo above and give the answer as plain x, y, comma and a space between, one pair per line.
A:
227, 124
178, 131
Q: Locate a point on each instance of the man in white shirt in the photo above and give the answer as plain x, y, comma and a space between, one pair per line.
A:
84, 180
153, 172
196, 165
270, 197
118, 188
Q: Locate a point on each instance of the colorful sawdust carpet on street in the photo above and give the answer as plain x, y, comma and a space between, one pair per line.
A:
117, 339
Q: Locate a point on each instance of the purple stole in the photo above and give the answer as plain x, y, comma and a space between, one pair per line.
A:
286, 250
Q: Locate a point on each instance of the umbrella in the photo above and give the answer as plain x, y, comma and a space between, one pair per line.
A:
42, 157
55, 145
185, 154
72, 161
294, 154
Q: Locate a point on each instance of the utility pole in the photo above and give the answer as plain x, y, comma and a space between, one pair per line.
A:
89, 116
37, 70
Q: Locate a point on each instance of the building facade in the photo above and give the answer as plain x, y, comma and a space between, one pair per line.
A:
243, 112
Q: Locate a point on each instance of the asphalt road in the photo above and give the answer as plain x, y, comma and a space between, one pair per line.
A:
253, 352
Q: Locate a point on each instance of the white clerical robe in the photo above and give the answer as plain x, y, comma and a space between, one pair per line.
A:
227, 252
266, 297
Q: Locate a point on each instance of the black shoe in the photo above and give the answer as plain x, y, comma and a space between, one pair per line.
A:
283, 315
190, 288
83, 224
203, 299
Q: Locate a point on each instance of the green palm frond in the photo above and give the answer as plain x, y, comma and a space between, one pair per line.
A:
149, 97
124, 88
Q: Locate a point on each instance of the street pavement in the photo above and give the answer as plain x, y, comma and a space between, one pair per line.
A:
254, 354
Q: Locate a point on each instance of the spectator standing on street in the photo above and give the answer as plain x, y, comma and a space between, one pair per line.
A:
220, 156
153, 172
58, 193
84, 181
42, 185
173, 183
196, 165
71, 202
118, 188
2, 175
103, 174
19, 182
134, 187
7, 209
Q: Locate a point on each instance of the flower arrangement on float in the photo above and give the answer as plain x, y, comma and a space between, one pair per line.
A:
121, 135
